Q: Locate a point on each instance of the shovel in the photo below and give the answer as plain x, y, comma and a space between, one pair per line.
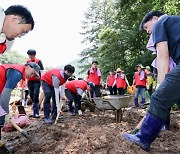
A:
59, 109
25, 134
21, 109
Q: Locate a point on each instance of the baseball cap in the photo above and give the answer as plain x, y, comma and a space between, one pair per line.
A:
148, 68
31, 52
36, 68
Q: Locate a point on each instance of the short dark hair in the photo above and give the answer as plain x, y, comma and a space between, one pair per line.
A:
22, 12
94, 62
31, 52
149, 16
69, 68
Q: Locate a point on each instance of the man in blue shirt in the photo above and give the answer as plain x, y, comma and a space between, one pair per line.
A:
165, 31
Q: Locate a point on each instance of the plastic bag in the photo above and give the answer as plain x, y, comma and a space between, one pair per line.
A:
21, 120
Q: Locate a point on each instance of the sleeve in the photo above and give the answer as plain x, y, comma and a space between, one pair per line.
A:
159, 32
79, 91
55, 81
41, 65
62, 90
13, 77
126, 80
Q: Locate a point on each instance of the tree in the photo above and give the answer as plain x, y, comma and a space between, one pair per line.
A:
12, 57
111, 29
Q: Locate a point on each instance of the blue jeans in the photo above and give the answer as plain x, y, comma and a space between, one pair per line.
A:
33, 87
48, 94
166, 95
73, 97
95, 90
140, 90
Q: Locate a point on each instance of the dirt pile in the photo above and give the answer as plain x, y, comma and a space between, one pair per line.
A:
90, 133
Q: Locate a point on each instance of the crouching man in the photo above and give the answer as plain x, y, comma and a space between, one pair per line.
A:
51, 80
74, 90
10, 75
165, 32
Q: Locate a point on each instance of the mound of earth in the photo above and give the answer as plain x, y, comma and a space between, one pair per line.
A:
91, 133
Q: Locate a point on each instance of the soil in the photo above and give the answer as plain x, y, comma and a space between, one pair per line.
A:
90, 133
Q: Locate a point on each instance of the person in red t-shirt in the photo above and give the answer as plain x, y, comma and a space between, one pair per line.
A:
34, 83
94, 77
140, 80
51, 81
10, 75
74, 90
110, 83
121, 81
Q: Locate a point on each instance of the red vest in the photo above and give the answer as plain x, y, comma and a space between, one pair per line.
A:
139, 82
34, 78
47, 77
2, 47
93, 77
120, 82
3, 69
72, 85
110, 80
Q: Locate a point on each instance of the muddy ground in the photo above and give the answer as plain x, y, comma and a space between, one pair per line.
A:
91, 133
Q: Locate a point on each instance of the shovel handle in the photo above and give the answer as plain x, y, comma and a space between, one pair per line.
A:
90, 96
19, 129
60, 109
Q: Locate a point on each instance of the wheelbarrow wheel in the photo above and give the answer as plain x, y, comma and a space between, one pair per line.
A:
118, 115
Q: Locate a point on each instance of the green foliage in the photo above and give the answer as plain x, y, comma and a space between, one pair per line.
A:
111, 32
12, 57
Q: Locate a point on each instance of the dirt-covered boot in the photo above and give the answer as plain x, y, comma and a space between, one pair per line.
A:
149, 130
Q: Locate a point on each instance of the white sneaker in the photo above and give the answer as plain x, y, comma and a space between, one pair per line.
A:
79, 112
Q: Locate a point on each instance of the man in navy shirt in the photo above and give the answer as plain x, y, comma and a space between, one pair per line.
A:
165, 31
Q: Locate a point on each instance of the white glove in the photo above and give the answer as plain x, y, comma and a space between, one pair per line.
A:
7, 118
157, 86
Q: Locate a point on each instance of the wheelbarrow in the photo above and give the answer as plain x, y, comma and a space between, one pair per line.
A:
113, 102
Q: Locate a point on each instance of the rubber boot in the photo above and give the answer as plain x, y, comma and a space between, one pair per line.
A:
136, 103
149, 130
134, 131
143, 102
166, 125
3, 148
36, 110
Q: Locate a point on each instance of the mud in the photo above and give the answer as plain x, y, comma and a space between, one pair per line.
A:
91, 133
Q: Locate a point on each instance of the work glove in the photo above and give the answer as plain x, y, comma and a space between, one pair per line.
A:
7, 118
157, 86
